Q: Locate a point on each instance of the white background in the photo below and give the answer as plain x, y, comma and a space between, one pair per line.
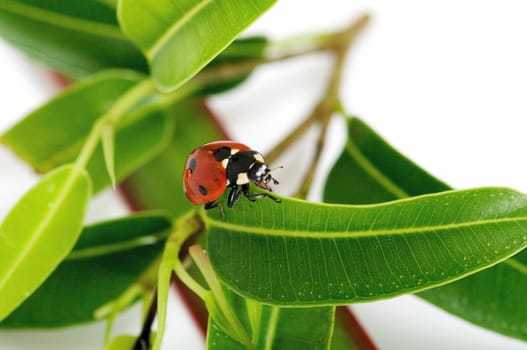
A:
445, 83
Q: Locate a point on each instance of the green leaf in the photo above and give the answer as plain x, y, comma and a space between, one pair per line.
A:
107, 259
368, 170
319, 254
39, 232
75, 37
54, 134
371, 171
180, 39
272, 327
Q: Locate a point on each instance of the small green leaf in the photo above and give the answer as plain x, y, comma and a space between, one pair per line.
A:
39, 232
75, 37
319, 254
108, 147
107, 259
180, 39
369, 170
54, 134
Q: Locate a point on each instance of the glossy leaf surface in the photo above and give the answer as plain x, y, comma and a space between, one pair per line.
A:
54, 133
75, 37
180, 38
107, 259
493, 298
319, 254
39, 232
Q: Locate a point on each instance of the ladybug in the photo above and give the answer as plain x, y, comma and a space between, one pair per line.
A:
216, 166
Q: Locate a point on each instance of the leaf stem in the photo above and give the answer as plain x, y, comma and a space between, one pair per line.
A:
111, 118
203, 263
185, 226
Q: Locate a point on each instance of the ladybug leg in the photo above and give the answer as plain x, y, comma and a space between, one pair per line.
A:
234, 195
254, 197
250, 196
213, 204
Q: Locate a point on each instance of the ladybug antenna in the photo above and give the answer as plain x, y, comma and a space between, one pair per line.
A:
271, 177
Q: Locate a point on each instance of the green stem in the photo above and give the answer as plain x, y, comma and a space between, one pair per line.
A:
203, 263
185, 226
112, 117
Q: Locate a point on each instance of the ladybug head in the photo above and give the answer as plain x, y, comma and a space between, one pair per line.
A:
260, 174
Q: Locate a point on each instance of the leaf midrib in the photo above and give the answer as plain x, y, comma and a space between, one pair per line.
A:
376, 174
61, 20
74, 175
358, 234
118, 247
157, 45
356, 153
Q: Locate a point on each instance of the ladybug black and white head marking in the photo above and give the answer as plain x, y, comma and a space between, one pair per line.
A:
248, 166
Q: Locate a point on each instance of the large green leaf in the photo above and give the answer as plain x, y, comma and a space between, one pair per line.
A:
39, 232
180, 38
54, 133
274, 327
320, 254
76, 37
371, 170
107, 259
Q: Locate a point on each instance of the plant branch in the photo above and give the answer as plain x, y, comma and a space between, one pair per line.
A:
339, 44
330, 102
185, 226
111, 118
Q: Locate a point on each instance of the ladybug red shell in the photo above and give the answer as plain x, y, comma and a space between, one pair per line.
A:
216, 166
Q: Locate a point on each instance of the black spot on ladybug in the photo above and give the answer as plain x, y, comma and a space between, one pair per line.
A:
222, 153
192, 165
202, 190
